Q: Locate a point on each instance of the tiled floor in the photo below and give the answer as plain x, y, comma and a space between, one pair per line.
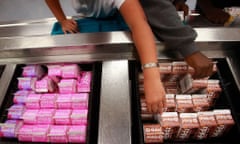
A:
11, 10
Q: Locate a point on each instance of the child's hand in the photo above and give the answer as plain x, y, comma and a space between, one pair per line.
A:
69, 26
181, 6
217, 16
203, 66
154, 90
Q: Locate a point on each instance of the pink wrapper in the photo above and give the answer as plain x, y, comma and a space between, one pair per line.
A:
58, 134
80, 100
77, 134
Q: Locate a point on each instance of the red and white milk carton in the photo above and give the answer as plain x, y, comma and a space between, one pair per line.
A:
224, 122
153, 133
207, 123
188, 126
170, 103
170, 124
200, 102
184, 103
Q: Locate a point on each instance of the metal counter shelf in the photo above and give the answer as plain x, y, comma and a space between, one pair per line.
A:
93, 104
229, 99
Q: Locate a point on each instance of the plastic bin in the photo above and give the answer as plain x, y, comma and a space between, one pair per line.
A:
229, 99
93, 104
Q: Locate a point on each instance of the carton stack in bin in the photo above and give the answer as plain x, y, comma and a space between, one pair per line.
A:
50, 105
189, 113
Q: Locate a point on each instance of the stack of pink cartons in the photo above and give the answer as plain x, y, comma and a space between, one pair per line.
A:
51, 105
189, 111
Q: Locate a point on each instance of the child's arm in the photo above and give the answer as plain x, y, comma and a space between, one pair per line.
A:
68, 25
144, 40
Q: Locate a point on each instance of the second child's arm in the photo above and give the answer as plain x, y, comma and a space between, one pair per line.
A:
68, 25
144, 40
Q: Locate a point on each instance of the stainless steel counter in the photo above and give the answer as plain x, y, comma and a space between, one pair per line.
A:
30, 43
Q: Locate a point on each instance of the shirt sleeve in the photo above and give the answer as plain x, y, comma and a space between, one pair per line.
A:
118, 3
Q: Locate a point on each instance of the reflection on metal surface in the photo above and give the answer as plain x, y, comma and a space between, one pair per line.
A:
5, 80
115, 111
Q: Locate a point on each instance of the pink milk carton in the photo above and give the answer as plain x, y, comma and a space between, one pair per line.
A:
80, 100
67, 86
84, 85
70, 71
33, 71
79, 116
40, 133
26, 83
77, 134
58, 134
25, 133
64, 101
48, 100
33, 101
10, 128
20, 96
54, 70
45, 116
30, 116
45, 85
62, 116
16, 111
